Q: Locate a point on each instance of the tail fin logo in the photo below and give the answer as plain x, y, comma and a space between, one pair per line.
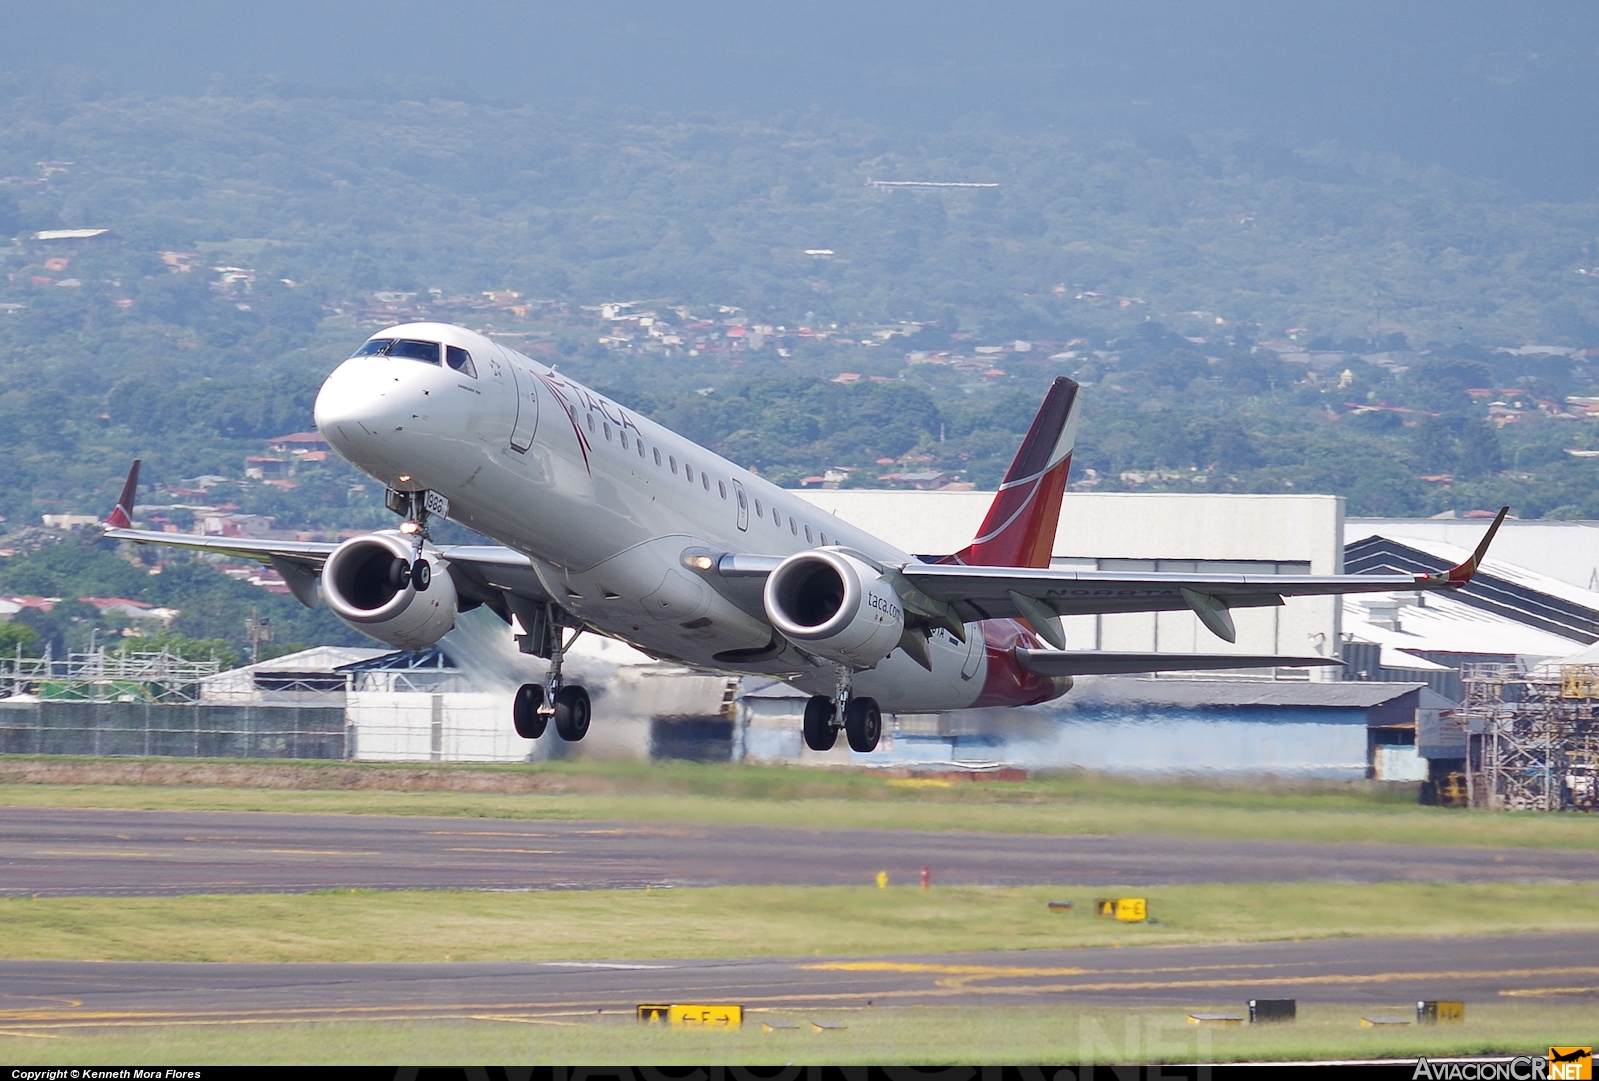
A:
1019, 530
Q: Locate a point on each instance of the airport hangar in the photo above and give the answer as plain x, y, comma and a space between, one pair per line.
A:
1376, 717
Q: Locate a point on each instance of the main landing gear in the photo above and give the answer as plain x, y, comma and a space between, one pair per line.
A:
534, 708
571, 712
863, 723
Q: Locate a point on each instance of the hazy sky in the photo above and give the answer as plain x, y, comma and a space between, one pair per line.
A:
1487, 89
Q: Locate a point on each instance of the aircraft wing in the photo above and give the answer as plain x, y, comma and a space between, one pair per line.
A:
312, 553
1040, 595
1055, 662
950, 594
492, 568
482, 572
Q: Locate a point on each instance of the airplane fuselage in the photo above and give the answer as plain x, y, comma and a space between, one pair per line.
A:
606, 504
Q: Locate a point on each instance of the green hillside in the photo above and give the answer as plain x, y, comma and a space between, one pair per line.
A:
1244, 316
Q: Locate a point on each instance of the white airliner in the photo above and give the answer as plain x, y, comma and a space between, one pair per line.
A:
614, 525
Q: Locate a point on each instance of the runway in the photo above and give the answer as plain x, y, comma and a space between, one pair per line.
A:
108, 852
48, 995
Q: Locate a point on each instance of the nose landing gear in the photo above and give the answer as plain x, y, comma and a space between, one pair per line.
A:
418, 573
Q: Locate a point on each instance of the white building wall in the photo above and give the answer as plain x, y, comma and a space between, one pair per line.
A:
1200, 747
449, 727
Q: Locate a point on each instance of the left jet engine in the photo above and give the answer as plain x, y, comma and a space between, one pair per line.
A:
361, 586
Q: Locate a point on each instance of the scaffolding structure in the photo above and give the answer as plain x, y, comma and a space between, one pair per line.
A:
1533, 737
104, 676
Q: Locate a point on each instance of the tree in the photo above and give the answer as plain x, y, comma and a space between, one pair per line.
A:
17, 636
1433, 446
1479, 450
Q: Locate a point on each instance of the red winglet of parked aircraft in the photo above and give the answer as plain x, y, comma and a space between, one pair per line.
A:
1019, 530
1460, 574
121, 516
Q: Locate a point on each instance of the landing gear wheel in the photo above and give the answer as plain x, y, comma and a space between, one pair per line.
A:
863, 724
399, 574
820, 735
421, 574
571, 713
530, 723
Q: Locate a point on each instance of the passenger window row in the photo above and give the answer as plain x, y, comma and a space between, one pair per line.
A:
793, 526
671, 463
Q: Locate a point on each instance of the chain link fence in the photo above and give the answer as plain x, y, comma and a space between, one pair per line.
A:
178, 731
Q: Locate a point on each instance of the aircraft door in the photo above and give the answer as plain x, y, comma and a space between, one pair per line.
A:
527, 408
743, 505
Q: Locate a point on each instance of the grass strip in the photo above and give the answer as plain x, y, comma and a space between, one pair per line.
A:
736, 921
1061, 1035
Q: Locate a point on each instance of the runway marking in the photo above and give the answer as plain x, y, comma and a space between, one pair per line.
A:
502, 1011
513, 851
70, 1003
964, 975
485, 833
1535, 992
525, 1020
30, 1035
1013, 970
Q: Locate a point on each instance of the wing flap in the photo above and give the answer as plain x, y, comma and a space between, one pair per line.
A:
1054, 662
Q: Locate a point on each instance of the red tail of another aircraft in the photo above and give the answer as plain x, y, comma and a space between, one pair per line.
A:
1019, 530
121, 516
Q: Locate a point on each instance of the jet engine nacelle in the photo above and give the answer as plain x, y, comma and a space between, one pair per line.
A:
835, 606
358, 582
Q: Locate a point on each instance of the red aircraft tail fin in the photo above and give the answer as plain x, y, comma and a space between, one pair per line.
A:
121, 516
1019, 530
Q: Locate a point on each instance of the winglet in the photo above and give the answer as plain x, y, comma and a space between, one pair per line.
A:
121, 516
1461, 574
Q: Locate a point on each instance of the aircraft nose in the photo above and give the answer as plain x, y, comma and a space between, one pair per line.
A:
355, 405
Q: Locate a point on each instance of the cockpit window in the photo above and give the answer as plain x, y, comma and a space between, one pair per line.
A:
460, 360
413, 350
373, 348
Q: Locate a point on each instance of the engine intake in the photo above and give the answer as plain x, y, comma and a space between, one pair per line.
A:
361, 588
836, 605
